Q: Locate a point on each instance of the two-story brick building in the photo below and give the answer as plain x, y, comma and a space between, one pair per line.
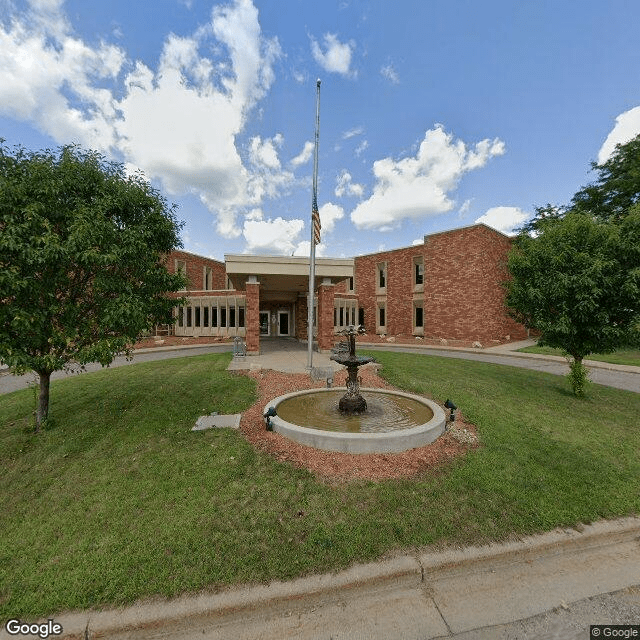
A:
449, 287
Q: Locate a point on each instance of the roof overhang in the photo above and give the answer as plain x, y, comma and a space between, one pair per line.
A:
285, 276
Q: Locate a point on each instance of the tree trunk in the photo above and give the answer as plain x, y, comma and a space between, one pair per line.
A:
43, 400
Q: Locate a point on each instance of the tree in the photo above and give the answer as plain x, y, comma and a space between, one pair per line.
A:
81, 261
617, 187
578, 283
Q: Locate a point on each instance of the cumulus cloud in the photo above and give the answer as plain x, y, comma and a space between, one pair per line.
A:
329, 214
336, 56
626, 128
504, 219
346, 187
272, 236
178, 122
420, 186
304, 249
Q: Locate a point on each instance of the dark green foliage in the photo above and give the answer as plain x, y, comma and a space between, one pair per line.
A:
578, 283
81, 275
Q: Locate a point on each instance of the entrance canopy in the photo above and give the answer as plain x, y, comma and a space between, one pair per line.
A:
284, 278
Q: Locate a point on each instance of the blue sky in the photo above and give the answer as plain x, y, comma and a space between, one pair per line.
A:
434, 114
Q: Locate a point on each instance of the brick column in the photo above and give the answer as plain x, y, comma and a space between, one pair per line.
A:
326, 295
253, 318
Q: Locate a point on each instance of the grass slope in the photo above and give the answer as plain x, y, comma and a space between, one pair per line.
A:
120, 500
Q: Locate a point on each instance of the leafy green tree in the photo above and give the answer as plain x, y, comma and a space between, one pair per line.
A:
81, 261
617, 187
578, 283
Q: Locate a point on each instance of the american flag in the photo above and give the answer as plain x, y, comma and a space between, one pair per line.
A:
315, 221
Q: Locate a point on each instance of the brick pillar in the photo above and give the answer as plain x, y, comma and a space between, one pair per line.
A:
326, 294
253, 318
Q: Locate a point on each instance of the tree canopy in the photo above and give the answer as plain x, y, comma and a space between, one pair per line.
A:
81, 260
578, 283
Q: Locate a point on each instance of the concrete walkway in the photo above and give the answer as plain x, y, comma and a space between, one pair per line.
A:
290, 356
551, 586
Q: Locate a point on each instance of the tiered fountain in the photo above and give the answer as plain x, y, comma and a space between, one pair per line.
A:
343, 420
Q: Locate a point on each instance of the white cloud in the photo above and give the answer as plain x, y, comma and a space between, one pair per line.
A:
178, 122
420, 186
417, 241
345, 186
304, 156
626, 128
329, 214
389, 73
361, 148
505, 219
276, 236
336, 57
352, 133
304, 249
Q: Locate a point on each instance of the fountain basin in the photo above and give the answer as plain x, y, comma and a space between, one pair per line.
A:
430, 424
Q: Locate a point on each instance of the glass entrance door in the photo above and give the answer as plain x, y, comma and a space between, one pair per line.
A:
283, 322
264, 323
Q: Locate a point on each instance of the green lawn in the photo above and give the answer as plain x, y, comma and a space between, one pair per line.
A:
119, 499
622, 356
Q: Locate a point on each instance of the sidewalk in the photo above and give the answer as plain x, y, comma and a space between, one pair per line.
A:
433, 594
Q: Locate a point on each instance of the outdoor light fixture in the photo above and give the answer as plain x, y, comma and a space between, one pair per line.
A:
452, 407
271, 412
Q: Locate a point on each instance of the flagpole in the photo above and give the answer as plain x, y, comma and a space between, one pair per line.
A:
312, 256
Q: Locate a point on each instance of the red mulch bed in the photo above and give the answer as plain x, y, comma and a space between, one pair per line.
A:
334, 466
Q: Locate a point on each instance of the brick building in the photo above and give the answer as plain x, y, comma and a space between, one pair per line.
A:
449, 288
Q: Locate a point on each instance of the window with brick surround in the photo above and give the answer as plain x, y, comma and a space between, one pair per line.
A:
381, 280
418, 271
207, 278
419, 317
350, 284
382, 318
181, 267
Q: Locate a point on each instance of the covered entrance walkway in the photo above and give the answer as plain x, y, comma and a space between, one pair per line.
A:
276, 290
283, 354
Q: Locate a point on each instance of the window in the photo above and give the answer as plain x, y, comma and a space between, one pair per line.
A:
382, 276
205, 318
207, 279
180, 316
419, 317
232, 316
188, 316
181, 267
418, 265
214, 316
223, 316
382, 319
361, 316
241, 316
341, 316
197, 316
350, 287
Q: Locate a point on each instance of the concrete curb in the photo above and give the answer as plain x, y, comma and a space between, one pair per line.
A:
400, 571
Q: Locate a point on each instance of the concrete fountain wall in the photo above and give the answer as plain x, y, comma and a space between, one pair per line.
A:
390, 442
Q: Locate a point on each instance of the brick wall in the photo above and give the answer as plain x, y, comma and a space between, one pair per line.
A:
462, 295
195, 270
